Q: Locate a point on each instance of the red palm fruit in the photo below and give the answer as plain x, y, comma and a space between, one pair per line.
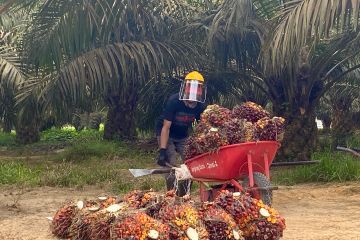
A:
101, 228
140, 226
62, 220
250, 111
239, 131
219, 224
215, 115
267, 129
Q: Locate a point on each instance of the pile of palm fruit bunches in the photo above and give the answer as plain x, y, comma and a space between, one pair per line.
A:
220, 126
147, 215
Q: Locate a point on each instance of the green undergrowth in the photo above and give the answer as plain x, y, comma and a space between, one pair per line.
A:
333, 167
87, 159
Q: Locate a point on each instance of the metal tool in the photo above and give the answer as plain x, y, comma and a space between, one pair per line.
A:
144, 172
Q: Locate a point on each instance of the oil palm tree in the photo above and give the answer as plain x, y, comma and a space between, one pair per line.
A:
106, 49
295, 48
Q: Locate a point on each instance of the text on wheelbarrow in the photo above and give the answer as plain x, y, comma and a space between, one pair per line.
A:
200, 167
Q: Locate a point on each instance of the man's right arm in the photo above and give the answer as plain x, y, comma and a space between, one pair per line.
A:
164, 138
165, 132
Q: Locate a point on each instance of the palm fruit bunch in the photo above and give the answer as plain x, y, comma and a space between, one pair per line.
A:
232, 216
82, 224
162, 201
265, 230
60, 225
191, 148
140, 199
250, 214
270, 225
213, 139
140, 227
215, 115
239, 131
219, 224
184, 222
101, 228
94, 218
205, 139
240, 206
270, 129
250, 111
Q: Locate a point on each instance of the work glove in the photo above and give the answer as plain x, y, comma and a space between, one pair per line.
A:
163, 158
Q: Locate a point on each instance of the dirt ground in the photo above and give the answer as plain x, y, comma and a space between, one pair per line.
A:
316, 211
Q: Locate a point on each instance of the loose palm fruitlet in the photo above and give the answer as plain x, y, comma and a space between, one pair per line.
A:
215, 115
250, 111
267, 129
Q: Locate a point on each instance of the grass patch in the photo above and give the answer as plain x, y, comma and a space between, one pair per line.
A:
7, 139
15, 172
84, 150
86, 162
334, 167
89, 160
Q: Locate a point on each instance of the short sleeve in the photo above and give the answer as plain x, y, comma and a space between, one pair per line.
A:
170, 110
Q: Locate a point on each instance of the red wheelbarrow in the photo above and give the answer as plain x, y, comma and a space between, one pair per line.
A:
247, 162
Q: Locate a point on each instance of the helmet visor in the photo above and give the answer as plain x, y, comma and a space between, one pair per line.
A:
192, 90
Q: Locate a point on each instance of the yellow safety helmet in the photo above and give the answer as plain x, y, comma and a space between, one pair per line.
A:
195, 75
193, 88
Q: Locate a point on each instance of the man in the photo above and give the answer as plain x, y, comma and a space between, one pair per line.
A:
181, 110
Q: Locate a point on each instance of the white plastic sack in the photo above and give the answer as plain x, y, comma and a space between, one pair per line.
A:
182, 173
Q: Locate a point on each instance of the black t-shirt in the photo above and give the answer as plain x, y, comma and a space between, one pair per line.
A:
180, 115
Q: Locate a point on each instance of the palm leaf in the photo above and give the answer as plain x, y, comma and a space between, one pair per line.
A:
14, 5
11, 74
304, 22
115, 66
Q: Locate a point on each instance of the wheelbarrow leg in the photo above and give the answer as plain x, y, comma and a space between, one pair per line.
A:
237, 185
204, 193
250, 169
266, 165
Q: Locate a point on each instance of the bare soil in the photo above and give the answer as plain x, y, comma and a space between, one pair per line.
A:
312, 211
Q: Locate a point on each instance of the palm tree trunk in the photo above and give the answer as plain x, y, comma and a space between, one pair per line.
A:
299, 138
7, 126
326, 121
342, 126
120, 121
26, 134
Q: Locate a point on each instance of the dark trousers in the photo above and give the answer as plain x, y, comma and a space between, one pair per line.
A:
174, 148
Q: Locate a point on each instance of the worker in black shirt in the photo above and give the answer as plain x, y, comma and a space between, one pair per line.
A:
181, 110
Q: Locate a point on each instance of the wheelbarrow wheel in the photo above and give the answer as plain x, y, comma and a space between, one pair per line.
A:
260, 180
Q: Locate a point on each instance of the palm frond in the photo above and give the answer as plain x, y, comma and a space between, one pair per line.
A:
15, 5
235, 33
116, 66
63, 30
11, 74
59, 29
303, 23
267, 9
